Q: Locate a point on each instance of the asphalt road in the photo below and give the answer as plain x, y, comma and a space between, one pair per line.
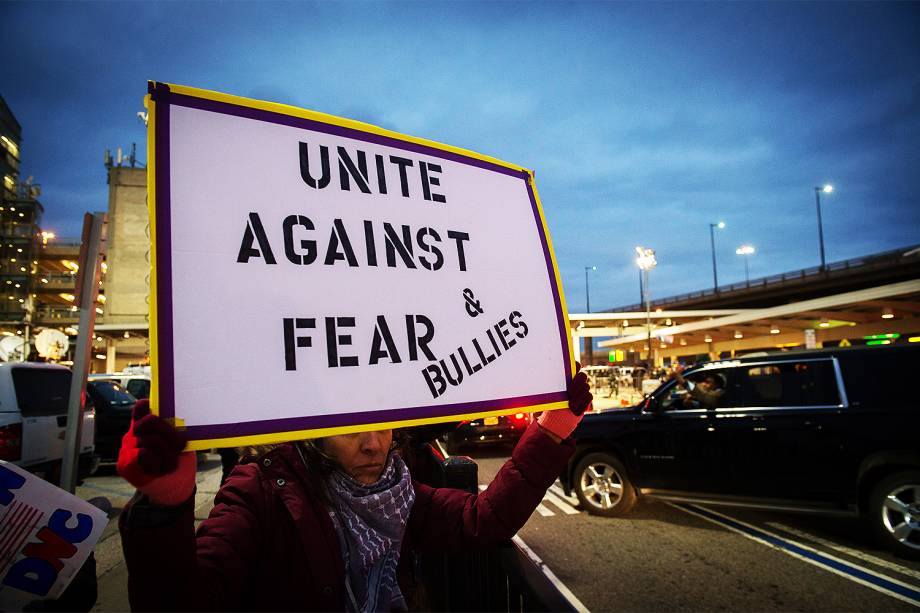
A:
666, 557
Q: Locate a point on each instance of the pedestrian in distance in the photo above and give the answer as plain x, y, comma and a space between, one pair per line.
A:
327, 524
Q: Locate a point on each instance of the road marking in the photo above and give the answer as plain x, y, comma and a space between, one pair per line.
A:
559, 502
847, 550
572, 500
863, 576
565, 591
559, 585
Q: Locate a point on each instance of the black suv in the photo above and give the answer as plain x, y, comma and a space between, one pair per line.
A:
114, 407
830, 430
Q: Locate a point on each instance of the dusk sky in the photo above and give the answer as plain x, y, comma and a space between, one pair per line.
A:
644, 122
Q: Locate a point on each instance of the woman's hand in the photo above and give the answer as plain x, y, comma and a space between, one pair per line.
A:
151, 458
559, 424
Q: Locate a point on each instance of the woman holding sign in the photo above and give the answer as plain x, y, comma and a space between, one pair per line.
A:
326, 524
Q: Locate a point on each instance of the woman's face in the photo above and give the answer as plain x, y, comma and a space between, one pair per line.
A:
362, 455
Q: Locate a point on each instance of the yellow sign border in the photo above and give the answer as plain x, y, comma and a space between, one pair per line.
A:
284, 109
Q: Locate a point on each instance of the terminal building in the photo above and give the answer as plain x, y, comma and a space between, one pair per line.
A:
871, 300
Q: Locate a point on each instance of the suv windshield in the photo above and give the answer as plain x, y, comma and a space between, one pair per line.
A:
112, 392
41, 391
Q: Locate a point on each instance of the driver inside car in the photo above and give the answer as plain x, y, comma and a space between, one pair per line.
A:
704, 393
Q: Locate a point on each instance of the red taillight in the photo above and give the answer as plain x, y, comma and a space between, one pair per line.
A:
520, 416
11, 442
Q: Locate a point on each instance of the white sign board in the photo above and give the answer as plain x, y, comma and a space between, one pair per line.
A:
45, 536
811, 339
315, 276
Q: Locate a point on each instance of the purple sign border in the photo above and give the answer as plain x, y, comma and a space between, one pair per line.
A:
291, 424
164, 98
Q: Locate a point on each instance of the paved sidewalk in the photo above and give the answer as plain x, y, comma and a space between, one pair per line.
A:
111, 573
622, 400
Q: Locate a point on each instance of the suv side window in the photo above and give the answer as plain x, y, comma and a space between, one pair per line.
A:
41, 392
139, 388
791, 384
727, 390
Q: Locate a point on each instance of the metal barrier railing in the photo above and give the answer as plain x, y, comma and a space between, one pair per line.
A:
501, 579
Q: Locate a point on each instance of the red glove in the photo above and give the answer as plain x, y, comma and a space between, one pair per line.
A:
151, 458
561, 422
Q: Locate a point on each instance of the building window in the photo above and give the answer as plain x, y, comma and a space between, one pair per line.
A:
10, 146
8, 182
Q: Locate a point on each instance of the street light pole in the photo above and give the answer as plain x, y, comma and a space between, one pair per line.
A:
587, 292
589, 341
745, 251
641, 290
827, 189
712, 243
645, 259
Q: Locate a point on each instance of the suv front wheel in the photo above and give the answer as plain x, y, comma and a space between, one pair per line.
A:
602, 486
894, 511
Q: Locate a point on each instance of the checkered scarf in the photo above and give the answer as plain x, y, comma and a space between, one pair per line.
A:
370, 521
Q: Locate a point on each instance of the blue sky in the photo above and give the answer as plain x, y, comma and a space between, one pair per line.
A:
644, 122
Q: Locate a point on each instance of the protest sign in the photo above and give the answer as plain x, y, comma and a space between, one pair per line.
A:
45, 536
314, 275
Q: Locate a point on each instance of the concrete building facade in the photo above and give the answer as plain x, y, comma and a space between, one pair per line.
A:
124, 322
127, 285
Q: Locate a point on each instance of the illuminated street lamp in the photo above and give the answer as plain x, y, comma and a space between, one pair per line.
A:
745, 250
645, 260
827, 189
587, 293
589, 342
712, 243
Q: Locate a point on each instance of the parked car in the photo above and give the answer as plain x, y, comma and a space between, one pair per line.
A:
33, 419
489, 431
136, 384
835, 431
113, 405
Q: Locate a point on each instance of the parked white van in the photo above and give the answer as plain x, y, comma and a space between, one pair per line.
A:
33, 419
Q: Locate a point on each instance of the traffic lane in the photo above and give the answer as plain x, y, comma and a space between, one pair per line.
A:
660, 557
849, 538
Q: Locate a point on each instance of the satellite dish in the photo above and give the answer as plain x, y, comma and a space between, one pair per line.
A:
11, 348
51, 344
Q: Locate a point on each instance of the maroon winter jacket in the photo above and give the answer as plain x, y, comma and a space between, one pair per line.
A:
269, 543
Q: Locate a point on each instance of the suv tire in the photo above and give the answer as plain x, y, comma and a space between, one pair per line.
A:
894, 513
602, 486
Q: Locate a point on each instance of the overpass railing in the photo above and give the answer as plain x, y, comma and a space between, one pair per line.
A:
864, 263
